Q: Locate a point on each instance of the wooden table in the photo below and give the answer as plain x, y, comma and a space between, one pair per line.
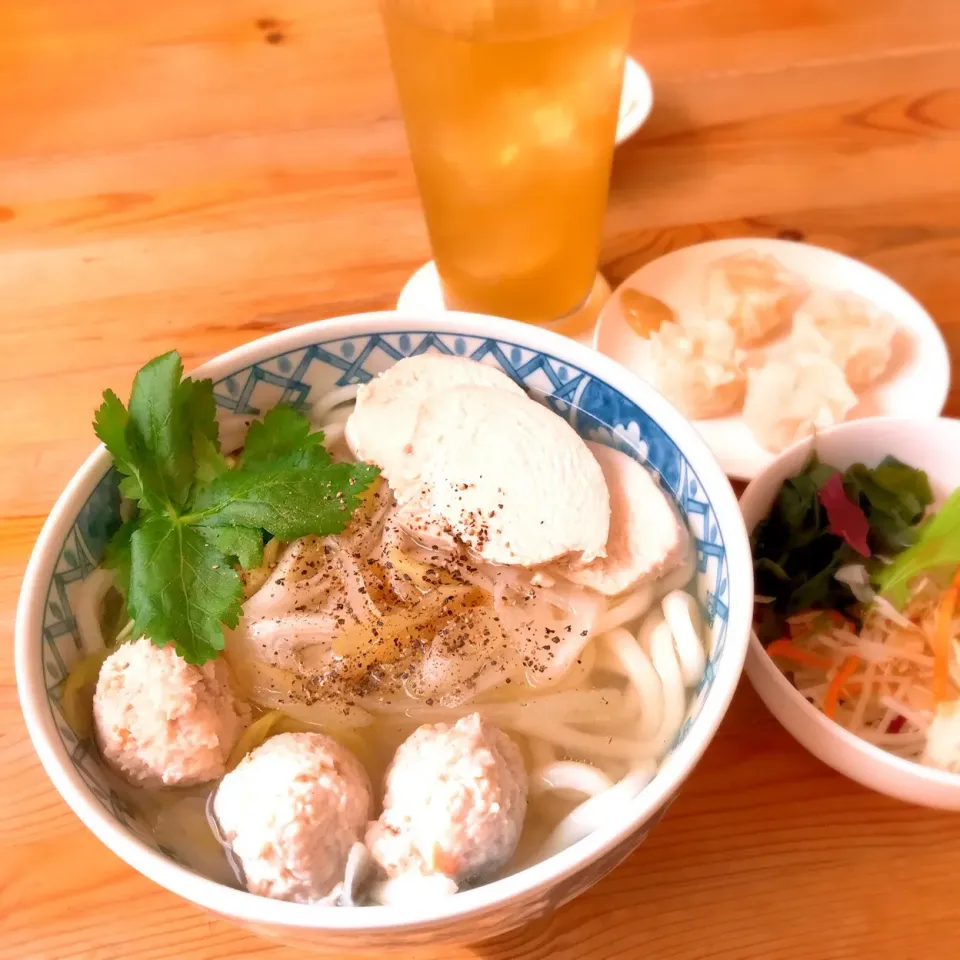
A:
196, 173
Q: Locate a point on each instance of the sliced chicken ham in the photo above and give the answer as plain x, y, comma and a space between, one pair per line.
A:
507, 477
647, 538
388, 408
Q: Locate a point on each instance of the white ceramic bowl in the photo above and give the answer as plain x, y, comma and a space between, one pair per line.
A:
604, 401
915, 385
933, 446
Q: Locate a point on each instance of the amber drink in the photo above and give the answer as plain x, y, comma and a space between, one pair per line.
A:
511, 112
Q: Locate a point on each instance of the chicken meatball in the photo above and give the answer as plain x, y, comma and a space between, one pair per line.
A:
454, 803
161, 721
291, 811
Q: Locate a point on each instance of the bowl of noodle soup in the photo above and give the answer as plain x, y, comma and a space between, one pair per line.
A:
607, 743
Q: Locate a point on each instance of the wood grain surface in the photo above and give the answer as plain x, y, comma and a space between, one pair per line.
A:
196, 173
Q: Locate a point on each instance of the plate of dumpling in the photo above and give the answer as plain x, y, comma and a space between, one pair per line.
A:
763, 342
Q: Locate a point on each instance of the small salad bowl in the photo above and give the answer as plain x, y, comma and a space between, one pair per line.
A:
929, 445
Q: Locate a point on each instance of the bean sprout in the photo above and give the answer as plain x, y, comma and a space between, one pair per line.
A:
919, 719
865, 691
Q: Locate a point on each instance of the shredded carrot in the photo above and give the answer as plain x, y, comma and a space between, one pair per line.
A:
799, 631
839, 620
941, 639
832, 699
789, 651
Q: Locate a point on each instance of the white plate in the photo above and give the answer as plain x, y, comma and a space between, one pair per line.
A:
636, 100
916, 387
423, 294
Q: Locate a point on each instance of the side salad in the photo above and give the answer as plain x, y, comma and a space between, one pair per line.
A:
858, 596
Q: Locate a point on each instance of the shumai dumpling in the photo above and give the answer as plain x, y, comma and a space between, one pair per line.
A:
698, 369
753, 294
790, 397
855, 333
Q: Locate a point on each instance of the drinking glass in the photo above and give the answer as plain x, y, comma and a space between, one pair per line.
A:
511, 111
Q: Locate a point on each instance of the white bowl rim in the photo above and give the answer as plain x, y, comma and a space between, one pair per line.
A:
758, 659
544, 875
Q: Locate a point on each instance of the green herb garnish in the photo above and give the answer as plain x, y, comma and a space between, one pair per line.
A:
817, 526
936, 547
197, 516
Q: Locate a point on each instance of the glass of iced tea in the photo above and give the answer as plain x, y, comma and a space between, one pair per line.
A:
511, 112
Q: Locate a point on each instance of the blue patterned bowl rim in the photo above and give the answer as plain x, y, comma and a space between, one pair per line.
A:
601, 398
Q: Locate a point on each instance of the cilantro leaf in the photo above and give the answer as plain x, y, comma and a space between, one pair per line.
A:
118, 553
244, 543
288, 498
200, 409
200, 513
162, 428
210, 461
181, 588
112, 426
282, 432
200, 413
937, 546
132, 489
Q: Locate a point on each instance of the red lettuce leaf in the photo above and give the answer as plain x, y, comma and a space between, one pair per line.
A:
846, 519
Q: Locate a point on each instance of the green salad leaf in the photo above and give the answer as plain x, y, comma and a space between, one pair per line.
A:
199, 515
937, 546
895, 498
815, 527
